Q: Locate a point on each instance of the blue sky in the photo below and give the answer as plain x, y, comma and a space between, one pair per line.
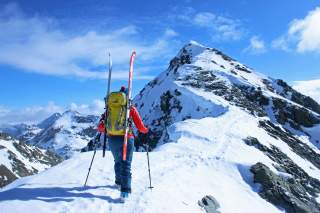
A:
53, 53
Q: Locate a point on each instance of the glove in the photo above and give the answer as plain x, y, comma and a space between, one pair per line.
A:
144, 138
101, 127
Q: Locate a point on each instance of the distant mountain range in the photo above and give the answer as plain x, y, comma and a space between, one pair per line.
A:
62, 134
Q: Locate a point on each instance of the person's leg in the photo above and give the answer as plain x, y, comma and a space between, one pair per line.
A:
126, 168
116, 149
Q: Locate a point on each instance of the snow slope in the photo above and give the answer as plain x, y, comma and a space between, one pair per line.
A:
199, 163
195, 163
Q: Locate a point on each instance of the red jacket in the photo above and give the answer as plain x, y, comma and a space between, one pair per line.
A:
136, 120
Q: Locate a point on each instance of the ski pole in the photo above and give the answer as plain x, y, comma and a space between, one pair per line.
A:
94, 154
150, 187
106, 107
104, 143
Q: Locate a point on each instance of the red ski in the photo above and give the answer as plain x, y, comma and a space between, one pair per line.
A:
125, 142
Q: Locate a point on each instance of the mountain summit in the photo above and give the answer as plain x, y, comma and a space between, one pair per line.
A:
224, 138
202, 81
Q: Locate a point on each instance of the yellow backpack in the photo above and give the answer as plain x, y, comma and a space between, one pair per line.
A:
117, 102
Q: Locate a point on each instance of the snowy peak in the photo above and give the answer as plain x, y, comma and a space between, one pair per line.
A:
196, 61
49, 121
66, 133
206, 96
61, 133
20, 160
195, 58
202, 81
23, 132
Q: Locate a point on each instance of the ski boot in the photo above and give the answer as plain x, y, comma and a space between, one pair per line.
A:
124, 196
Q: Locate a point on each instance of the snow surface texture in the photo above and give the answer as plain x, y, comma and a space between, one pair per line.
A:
197, 163
182, 173
201, 150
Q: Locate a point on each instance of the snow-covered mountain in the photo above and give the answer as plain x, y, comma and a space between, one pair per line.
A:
66, 133
310, 88
19, 160
26, 132
202, 82
23, 132
225, 138
62, 134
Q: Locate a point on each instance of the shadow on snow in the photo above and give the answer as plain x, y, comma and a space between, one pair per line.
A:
55, 194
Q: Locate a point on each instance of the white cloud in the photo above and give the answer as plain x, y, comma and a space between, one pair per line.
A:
95, 108
38, 44
281, 43
303, 34
256, 46
221, 27
310, 88
27, 115
35, 114
170, 33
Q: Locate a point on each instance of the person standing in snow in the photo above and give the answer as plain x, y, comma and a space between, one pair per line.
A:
115, 133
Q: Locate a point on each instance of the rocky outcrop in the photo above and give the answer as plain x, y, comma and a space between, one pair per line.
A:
295, 191
295, 115
6, 176
297, 146
295, 96
283, 192
209, 204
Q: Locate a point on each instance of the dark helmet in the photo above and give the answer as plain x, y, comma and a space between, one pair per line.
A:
124, 90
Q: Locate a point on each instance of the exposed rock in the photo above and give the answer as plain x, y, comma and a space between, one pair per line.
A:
297, 97
284, 164
297, 146
282, 192
6, 176
248, 98
36, 155
242, 68
294, 115
209, 204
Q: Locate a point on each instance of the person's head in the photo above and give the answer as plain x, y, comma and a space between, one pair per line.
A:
124, 90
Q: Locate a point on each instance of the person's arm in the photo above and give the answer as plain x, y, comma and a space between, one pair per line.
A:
137, 120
